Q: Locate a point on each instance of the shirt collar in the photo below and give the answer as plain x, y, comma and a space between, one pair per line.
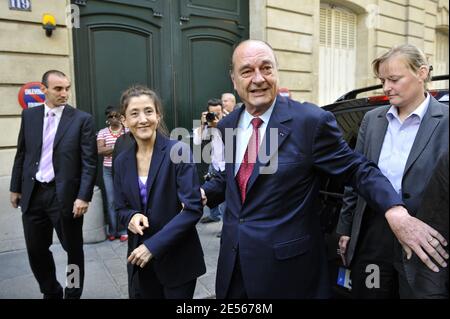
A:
247, 117
418, 112
57, 110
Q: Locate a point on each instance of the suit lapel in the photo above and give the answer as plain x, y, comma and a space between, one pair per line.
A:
64, 123
132, 176
429, 123
377, 135
157, 157
230, 159
276, 132
37, 122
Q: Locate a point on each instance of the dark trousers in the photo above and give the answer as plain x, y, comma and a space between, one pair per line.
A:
145, 285
237, 290
43, 215
374, 251
426, 284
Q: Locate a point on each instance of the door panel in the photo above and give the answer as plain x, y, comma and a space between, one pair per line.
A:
179, 48
204, 71
155, 5
209, 31
230, 10
116, 46
135, 51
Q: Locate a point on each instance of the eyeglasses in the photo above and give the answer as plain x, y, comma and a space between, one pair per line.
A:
113, 116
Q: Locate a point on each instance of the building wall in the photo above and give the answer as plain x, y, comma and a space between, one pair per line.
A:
25, 54
293, 31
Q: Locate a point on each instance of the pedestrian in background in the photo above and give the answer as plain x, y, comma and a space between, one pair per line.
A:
106, 140
228, 103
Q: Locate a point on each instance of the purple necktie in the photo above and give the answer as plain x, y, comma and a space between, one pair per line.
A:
47, 173
249, 160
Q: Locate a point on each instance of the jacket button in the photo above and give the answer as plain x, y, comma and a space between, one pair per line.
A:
32, 178
234, 249
37, 163
406, 195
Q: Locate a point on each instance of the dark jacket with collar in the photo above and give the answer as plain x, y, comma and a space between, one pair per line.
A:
171, 237
276, 231
74, 156
430, 143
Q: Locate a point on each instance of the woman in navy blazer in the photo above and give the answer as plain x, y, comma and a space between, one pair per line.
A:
158, 198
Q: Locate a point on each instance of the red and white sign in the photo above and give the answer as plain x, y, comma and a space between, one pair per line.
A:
30, 95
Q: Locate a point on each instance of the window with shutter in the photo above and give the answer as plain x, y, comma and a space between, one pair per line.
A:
337, 61
440, 66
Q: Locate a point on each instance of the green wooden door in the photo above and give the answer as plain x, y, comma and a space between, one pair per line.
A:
116, 45
208, 31
180, 48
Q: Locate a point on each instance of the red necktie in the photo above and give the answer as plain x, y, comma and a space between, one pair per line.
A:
246, 168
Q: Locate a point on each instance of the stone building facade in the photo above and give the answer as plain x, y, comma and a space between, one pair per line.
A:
308, 36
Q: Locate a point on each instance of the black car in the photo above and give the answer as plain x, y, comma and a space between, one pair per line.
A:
349, 112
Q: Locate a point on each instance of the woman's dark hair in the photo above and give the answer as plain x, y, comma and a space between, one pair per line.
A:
111, 109
138, 90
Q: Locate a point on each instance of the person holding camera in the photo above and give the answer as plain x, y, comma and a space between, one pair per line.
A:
208, 132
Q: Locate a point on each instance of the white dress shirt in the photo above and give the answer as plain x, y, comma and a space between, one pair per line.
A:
217, 147
58, 113
398, 142
245, 130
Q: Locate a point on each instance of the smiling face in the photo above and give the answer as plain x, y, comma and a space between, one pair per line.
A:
255, 76
404, 87
142, 118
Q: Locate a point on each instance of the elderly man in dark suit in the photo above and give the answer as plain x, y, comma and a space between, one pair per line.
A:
52, 180
272, 245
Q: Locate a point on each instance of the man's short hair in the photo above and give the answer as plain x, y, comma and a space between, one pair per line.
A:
48, 73
214, 102
247, 41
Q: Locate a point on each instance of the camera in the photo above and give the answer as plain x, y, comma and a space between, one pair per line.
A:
210, 116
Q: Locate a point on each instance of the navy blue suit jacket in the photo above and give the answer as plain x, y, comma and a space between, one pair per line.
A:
74, 156
277, 229
171, 237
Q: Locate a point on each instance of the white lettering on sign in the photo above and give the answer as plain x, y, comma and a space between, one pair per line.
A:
33, 91
24, 5
33, 104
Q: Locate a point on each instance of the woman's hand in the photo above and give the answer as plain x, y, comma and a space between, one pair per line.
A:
138, 224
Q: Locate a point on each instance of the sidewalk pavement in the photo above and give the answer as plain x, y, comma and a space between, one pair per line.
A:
105, 269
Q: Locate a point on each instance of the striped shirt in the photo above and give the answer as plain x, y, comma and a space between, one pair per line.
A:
110, 140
